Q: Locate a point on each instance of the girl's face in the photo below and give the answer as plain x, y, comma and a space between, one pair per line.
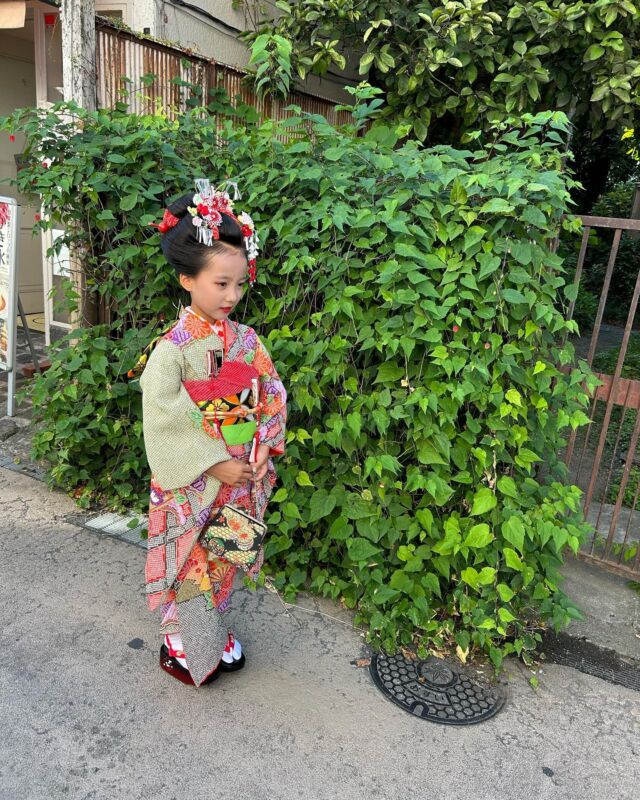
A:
218, 287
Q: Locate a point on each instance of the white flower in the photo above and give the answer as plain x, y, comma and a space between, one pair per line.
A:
197, 221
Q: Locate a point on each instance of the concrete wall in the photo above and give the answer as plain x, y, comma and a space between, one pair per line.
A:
215, 39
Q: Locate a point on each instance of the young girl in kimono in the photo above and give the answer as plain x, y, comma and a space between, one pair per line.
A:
206, 452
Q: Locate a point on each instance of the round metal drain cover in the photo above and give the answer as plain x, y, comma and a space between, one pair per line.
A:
434, 690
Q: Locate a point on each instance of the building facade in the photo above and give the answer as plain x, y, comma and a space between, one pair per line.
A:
38, 36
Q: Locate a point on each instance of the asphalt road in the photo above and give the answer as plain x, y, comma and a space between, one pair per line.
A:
87, 713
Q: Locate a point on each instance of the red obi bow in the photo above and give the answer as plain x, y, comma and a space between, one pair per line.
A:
234, 376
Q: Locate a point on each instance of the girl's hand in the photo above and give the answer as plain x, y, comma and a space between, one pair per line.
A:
261, 465
235, 473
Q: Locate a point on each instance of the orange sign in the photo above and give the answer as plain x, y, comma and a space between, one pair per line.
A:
12, 13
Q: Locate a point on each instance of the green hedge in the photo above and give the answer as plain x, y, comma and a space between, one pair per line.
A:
409, 299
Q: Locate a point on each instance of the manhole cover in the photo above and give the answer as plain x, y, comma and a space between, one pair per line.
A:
434, 690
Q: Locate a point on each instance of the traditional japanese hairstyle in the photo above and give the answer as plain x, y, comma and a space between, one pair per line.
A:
206, 218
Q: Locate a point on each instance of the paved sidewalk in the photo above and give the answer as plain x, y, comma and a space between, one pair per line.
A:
611, 608
88, 715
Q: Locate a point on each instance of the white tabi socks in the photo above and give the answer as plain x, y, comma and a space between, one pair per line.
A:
173, 641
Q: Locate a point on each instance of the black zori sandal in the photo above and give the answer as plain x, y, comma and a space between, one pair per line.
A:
171, 665
232, 658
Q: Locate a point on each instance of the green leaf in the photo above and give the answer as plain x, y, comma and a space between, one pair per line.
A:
522, 252
340, 529
534, 216
505, 615
473, 236
458, 193
484, 500
505, 592
291, 510
486, 576
383, 594
425, 518
514, 397
539, 367
507, 486
497, 205
360, 549
321, 505
128, 202
303, 479
401, 581
513, 296
427, 454
594, 52
512, 559
389, 373
333, 153
479, 536
471, 577
513, 532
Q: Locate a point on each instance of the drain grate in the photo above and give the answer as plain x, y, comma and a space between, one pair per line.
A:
569, 651
23, 468
435, 690
115, 526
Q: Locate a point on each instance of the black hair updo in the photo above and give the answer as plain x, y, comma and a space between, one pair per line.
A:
180, 244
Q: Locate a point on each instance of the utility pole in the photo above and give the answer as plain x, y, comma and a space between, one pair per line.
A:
78, 18
79, 52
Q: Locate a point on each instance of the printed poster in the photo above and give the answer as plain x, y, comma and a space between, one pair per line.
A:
8, 278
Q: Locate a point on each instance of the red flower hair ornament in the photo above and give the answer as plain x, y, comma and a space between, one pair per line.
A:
168, 222
209, 204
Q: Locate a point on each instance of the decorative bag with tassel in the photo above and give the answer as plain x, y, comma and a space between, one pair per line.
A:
235, 535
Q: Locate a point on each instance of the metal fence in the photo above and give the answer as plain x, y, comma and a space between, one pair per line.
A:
603, 456
125, 63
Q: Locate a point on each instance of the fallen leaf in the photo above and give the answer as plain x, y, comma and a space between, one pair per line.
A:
462, 654
361, 662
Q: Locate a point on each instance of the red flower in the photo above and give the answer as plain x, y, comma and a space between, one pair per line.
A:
246, 230
38, 217
12, 138
203, 210
222, 204
456, 328
45, 165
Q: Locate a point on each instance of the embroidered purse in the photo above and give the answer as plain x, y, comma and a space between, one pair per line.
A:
235, 535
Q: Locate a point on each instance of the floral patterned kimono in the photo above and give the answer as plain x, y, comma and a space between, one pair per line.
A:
191, 586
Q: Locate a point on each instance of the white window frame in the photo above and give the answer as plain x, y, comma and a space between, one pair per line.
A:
108, 5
